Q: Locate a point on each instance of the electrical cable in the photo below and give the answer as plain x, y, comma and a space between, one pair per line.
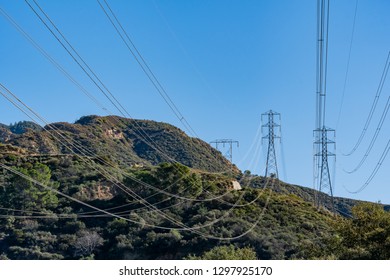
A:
348, 63
375, 170
94, 78
137, 222
373, 106
34, 1
65, 73
94, 155
144, 66
373, 140
163, 214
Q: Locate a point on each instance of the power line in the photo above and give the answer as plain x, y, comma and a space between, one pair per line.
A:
321, 173
322, 59
114, 98
37, 46
75, 59
373, 106
77, 147
82, 64
50, 58
159, 210
230, 142
375, 170
81, 149
253, 145
70, 197
348, 62
111, 178
254, 224
92, 76
144, 66
375, 136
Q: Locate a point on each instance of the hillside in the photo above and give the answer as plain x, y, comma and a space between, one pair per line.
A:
121, 141
39, 224
342, 205
126, 142
155, 209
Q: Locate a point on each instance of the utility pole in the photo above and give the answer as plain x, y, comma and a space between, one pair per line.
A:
271, 169
321, 175
230, 142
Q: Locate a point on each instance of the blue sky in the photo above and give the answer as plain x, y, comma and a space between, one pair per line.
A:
224, 63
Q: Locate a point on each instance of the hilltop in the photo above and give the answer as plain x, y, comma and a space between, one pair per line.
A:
122, 141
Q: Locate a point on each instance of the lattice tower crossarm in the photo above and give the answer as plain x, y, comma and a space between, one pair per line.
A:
230, 142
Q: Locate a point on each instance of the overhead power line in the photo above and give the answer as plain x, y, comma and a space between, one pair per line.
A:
62, 70
143, 64
148, 205
64, 42
15, 100
348, 63
77, 58
375, 170
26, 177
321, 173
101, 171
49, 58
106, 174
230, 143
373, 140
322, 60
56, 64
373, 106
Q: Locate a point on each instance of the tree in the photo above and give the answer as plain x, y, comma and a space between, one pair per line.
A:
23, 194
365, 236
87, 243
227, 253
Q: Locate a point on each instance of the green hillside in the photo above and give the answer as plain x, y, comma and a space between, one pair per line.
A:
160, 210
342, 205
56, 227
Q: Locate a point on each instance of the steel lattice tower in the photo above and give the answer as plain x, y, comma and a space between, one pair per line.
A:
230, 142
321, 175
271, 169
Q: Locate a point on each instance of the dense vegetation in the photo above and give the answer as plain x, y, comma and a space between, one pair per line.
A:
267, 219
38, 224
364, 237
342, 205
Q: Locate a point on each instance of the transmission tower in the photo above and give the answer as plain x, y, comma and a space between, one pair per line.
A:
230, 142
322, 177
271, 169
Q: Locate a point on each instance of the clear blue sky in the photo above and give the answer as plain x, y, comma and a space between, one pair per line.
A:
223, 63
